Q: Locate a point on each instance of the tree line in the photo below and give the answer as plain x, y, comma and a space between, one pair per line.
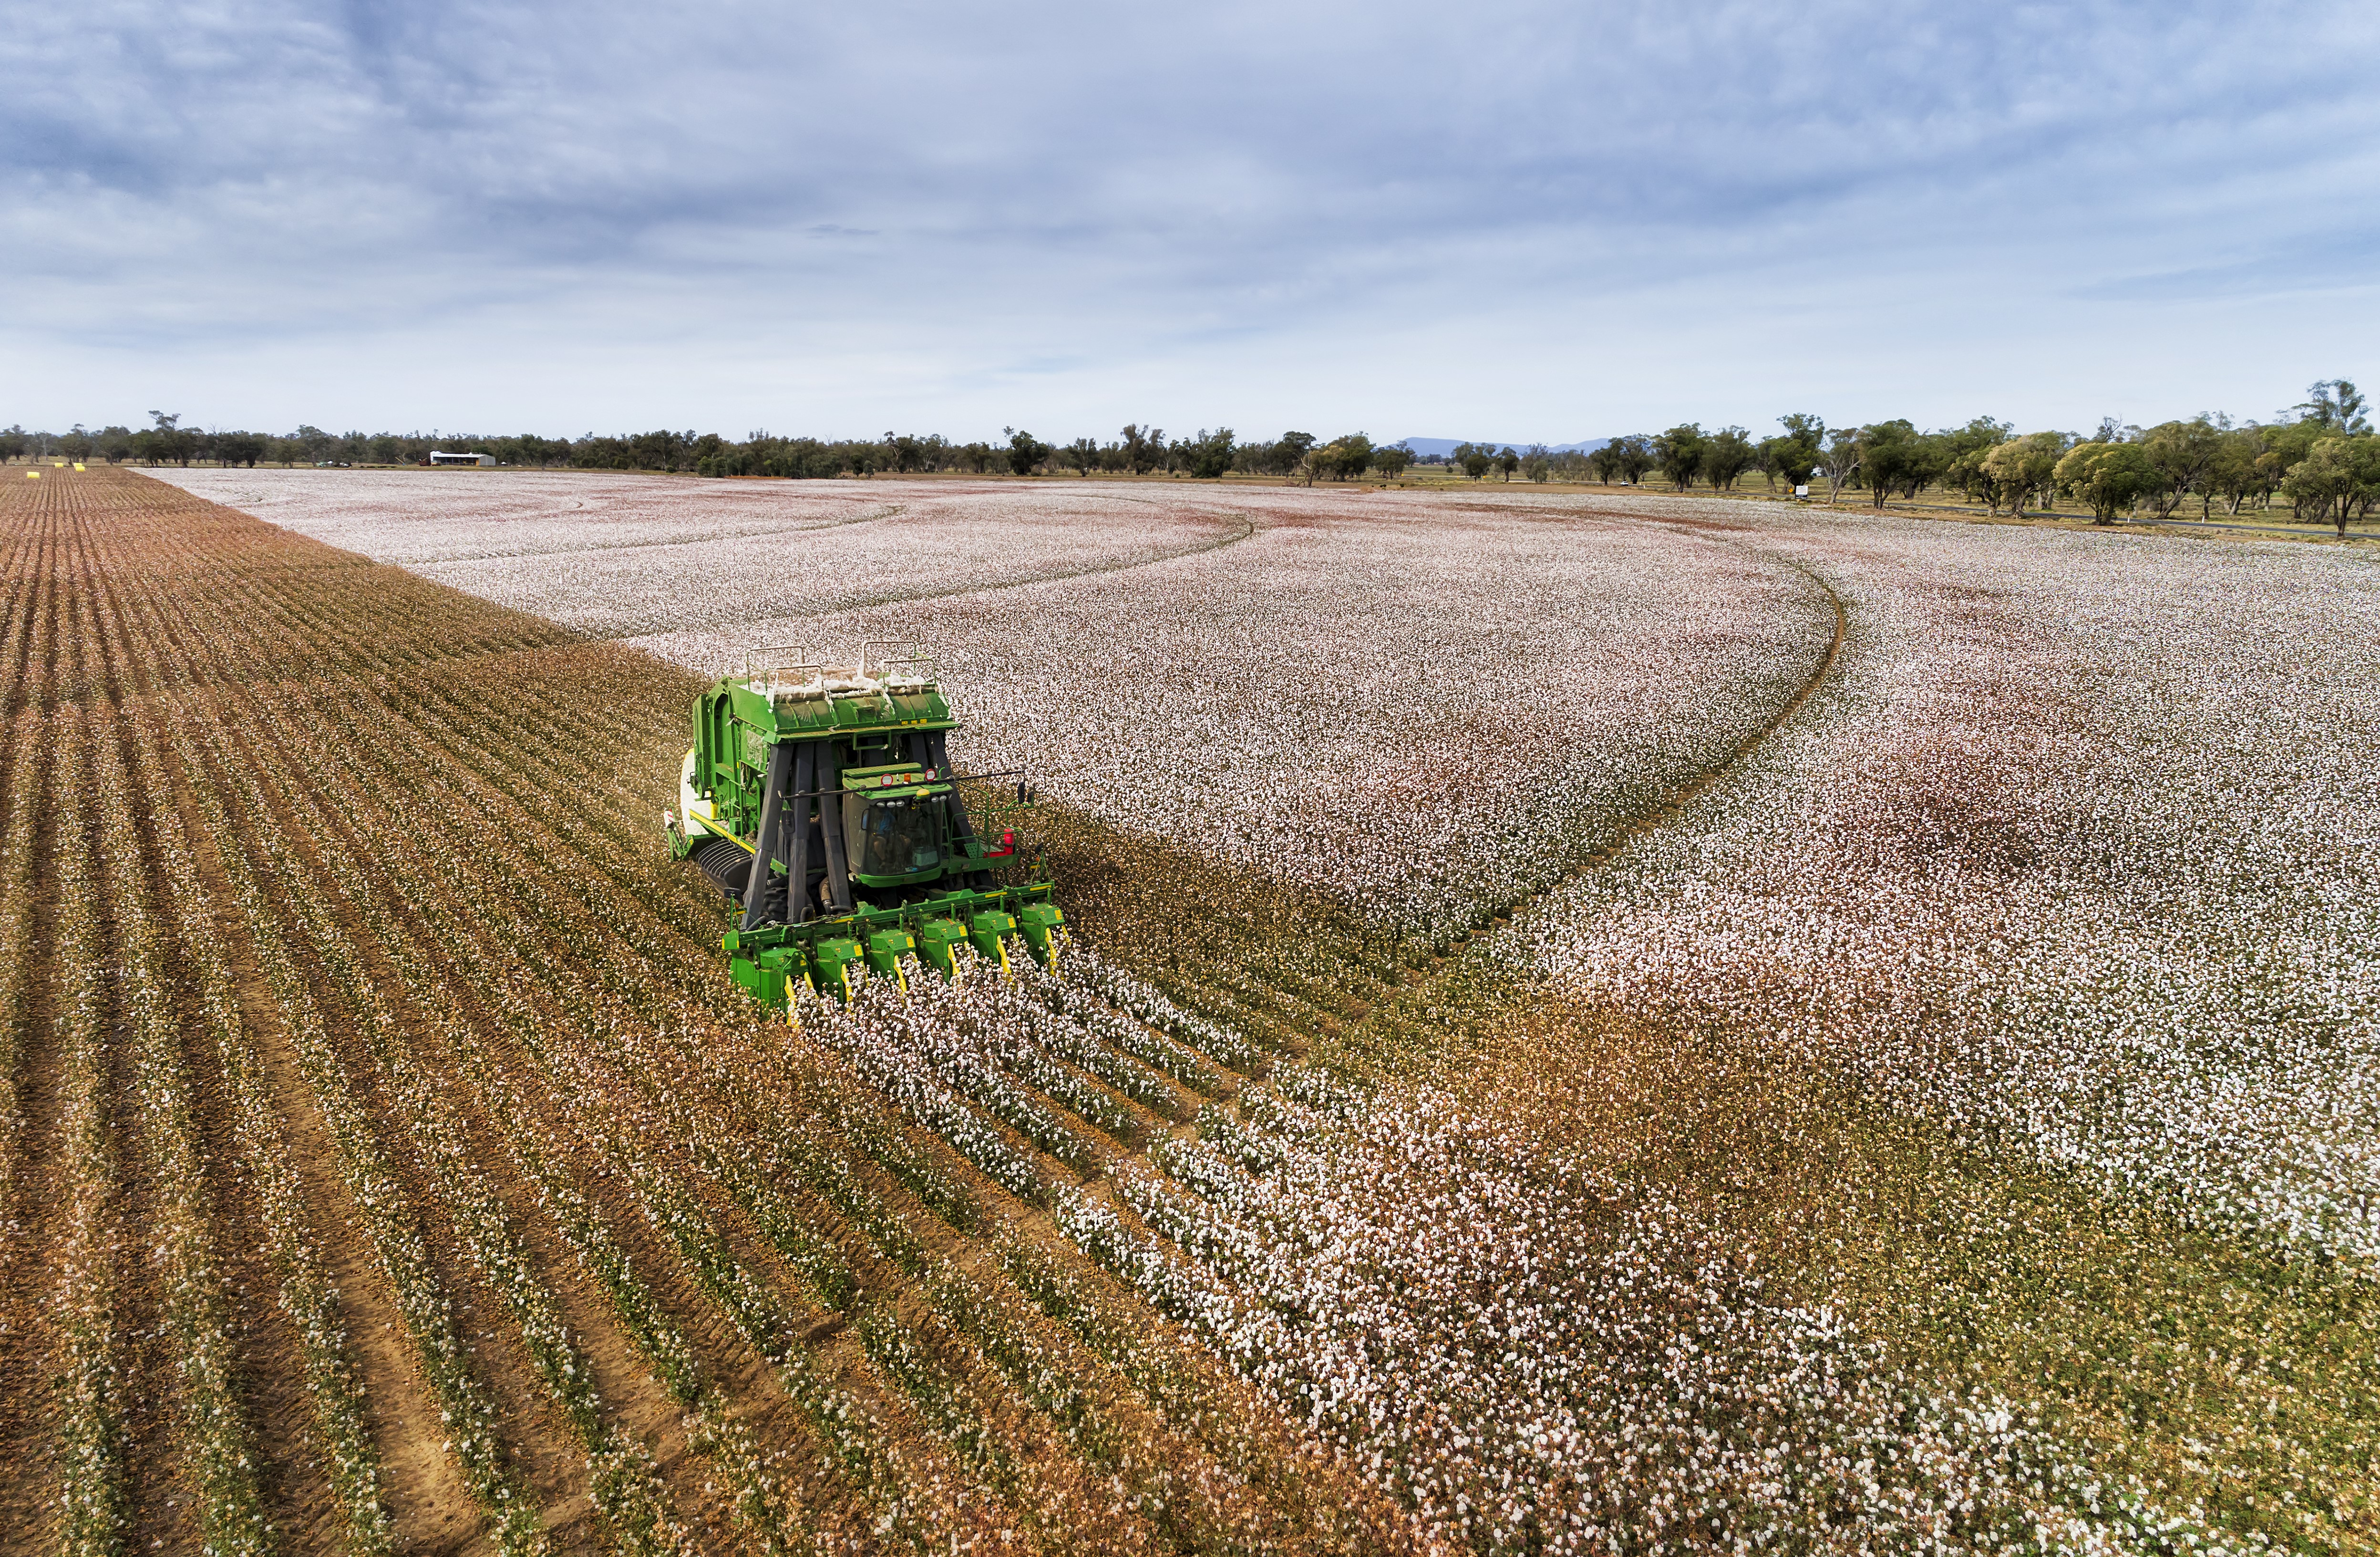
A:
1136, 450
2321, 455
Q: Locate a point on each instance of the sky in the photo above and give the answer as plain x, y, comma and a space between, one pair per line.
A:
1524, 220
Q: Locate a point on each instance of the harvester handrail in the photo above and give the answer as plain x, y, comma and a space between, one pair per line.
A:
762, 661
945, 778
775, 665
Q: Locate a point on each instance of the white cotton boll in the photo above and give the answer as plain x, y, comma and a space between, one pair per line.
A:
2060, 857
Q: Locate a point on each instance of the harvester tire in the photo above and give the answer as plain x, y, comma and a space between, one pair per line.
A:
726, 863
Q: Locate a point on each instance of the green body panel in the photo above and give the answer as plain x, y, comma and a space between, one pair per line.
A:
880, 783
986, 928
830, 958
936, 937
736, 723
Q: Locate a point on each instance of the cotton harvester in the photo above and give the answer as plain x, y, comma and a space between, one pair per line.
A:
821, 799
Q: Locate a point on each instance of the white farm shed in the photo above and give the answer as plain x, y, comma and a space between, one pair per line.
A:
440, 456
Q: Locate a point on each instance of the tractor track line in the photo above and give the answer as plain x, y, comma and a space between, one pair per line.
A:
1660, 814
1664, 810
1648, 820
1248, 529
890, 510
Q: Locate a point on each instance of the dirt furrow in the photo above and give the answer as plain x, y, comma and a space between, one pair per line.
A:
446, 1467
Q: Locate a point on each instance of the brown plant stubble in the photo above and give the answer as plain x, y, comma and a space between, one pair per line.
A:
340, 706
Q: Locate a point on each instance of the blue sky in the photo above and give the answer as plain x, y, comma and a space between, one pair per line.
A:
1538, 222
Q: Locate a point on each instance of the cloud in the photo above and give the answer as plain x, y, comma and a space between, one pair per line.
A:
1540, 217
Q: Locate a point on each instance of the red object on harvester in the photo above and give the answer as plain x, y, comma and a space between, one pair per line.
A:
1007, 845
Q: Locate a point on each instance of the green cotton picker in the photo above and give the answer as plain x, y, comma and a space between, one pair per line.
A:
821, 798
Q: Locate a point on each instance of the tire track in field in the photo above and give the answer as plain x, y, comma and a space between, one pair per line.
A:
1420, 985
887, 511
1279, 1006
1248, 529
1664, 808
1664, 811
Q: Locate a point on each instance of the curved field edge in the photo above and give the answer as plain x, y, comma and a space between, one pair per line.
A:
1427, 714
2236, 1386
2227, 1376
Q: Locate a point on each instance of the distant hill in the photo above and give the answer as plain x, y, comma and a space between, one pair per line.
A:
1446, 445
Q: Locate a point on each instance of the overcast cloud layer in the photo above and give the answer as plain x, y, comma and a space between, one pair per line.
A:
1549, 222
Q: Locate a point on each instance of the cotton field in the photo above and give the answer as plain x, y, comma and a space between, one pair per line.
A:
1782, 1032
1432, 712
2077, 852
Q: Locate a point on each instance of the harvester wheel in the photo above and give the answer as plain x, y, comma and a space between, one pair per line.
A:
726, 863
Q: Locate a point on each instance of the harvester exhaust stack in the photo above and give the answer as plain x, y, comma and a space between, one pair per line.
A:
822, 797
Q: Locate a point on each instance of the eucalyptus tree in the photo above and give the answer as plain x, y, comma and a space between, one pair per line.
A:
1025, 452
1727, 454
2110, 475
1793, 453
2338, 480
1143, 448
1839, 459
1208, 454
1889, 453
2184, 454
1351, 456
2334, 404
2025, 467
1634, 453
1966, 448
1679, 453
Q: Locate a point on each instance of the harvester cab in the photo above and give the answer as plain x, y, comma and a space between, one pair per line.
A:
821, 798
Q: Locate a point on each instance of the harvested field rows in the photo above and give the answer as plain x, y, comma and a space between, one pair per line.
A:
481, 1212
1286, 1219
